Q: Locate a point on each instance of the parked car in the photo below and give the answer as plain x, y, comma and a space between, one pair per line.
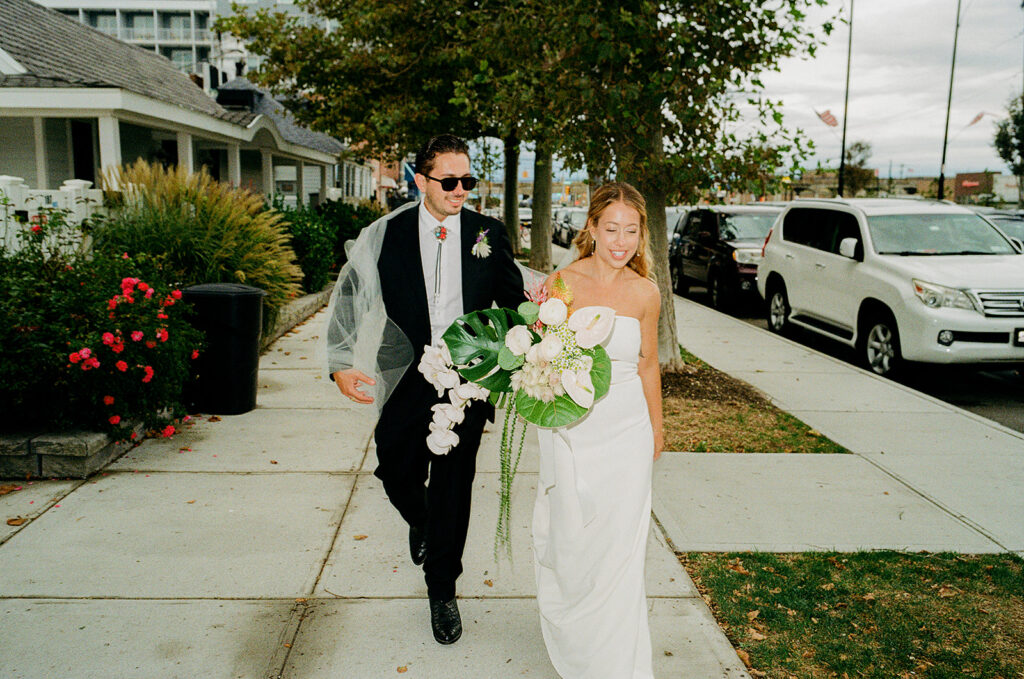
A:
1009, 222
719, 247
898, 279
571, 220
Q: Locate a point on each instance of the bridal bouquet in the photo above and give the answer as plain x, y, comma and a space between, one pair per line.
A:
540, 363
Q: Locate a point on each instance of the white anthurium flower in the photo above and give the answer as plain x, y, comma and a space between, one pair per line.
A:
592, 324
441, 439
579, 386
518, 340
445, 414
550, 347
553, 312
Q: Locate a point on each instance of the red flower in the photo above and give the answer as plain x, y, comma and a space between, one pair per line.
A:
176, 294
114, 419
124, 256
108, 400
149, 373
108, 338
117, 348
168, 431
137, 335
161, 315
161, 334
121, 365
36, 228
195, 354
85, 352
151, 344
112, 304
149, 293
143, 286
75, 357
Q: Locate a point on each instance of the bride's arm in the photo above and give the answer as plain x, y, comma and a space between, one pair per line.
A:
648, 366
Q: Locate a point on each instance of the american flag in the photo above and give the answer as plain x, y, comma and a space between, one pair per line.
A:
827, 118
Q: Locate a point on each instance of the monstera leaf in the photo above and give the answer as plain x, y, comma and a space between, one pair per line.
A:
475, 340
563, 410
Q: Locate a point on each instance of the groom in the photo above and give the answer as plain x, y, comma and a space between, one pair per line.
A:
430, 274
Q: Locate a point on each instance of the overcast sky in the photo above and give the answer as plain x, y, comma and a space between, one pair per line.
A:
899, 81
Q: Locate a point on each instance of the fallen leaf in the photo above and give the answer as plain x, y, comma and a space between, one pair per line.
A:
946, 591
828, 586
744, 656
753, 614
287, 353
17, 522
755, 635
808, 654
191, 502
489, 583
300, 601
273, 462
668, 653
287, 645
213, 418
402, 669
360, 537
813, 432
8, 488
870, 596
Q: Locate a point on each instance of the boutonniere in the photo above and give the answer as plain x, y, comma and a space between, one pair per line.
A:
482, 248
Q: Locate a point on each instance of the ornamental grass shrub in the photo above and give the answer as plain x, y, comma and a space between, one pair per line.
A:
198, 230
350, 220
91, 340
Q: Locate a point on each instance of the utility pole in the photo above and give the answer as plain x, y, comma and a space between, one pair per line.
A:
846, 101
949, 102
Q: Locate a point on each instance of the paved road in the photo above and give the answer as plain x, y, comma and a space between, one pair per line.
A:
995, 394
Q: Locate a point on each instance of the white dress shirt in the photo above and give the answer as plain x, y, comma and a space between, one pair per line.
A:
448, 306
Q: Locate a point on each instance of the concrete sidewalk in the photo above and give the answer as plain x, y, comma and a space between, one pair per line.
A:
923, 474
261, 545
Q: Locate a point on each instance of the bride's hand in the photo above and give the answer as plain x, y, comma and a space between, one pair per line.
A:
659, 444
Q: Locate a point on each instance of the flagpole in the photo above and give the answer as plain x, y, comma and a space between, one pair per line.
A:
949, 102
846, 101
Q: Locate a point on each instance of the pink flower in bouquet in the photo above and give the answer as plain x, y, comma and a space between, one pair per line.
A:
114, 419
149, 373
121, 365
108, 400
137, 335
168, 431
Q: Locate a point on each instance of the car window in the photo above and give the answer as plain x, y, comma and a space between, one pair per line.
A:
1011, 226
812, 227
692, 224
745, 225
936, 234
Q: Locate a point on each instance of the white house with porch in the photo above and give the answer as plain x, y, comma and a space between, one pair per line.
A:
74, 101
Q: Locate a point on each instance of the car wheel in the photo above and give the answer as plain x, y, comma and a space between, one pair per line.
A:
778, 310
880, 345
720, 300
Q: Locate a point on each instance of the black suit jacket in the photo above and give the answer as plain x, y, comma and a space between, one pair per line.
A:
485, 281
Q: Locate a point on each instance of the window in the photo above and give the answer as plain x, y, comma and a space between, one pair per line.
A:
106, 23
746, 225
936, 234
693, 224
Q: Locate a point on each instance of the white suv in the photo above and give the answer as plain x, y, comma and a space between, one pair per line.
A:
898, 279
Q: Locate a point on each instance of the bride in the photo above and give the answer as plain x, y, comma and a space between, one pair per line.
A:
593, 503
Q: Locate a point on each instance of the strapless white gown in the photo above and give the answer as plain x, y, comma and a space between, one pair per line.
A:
590, 526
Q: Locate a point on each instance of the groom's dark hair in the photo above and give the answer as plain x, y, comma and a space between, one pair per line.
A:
435, 146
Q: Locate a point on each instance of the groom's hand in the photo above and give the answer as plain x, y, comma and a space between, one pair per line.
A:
348, 382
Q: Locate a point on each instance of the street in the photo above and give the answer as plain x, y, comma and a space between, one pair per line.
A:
995, 394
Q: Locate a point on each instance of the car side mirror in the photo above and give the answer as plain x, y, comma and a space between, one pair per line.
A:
848, 247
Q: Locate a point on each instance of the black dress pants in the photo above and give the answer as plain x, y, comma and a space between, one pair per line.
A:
430, 491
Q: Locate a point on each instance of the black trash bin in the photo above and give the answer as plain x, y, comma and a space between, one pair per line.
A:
230, 315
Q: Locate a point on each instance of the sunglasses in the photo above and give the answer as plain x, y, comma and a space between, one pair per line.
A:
449, 183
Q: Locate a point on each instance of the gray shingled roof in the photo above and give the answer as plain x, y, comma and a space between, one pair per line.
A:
285, 121
57, 51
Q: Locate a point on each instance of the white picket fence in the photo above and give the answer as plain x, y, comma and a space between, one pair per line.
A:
19, 204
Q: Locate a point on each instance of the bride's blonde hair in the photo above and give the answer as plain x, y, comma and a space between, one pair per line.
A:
618, 192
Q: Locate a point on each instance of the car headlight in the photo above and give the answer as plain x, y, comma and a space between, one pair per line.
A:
752, 257
937, 296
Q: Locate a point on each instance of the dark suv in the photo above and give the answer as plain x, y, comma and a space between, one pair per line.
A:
719, 246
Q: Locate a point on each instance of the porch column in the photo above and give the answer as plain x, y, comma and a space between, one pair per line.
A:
234, 165
300, 185
268, 172
42, 176
186, 157
110, 142
323, 183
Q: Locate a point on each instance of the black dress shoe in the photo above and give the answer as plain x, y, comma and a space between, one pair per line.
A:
417, 544
445, 621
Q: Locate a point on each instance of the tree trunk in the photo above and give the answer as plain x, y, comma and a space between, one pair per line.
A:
511, 202
540, 226
643, 174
